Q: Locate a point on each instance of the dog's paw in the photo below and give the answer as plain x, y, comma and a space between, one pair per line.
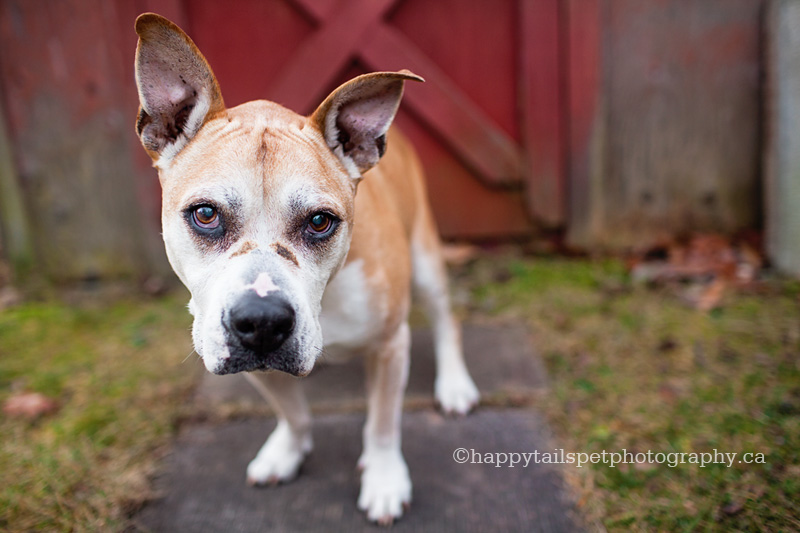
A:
456, 393
385, 486
279, 459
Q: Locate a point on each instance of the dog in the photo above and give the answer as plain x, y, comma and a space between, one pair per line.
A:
285, 263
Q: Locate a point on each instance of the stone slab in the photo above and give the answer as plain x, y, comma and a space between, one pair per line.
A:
204, 491
500, 359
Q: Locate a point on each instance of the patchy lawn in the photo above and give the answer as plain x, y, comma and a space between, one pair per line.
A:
118, 377
634, 368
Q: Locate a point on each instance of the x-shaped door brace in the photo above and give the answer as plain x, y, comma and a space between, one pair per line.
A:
356, 28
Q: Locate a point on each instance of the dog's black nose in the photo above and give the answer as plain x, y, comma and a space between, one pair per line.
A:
261, 324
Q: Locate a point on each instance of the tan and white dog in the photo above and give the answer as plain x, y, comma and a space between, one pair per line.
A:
285, 263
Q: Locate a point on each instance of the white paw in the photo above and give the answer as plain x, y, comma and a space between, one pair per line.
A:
385, 485
280, 458
456, 393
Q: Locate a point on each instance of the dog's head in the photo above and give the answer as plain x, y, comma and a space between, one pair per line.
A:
258, 201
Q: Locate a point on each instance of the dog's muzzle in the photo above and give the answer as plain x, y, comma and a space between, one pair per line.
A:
257, 328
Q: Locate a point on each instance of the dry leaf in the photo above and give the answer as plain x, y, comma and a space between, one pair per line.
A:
30, 405
712, 295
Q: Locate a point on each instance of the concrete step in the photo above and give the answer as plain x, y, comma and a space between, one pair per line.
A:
204, 479
203, 483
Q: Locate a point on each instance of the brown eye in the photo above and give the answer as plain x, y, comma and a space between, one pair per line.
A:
206, 217
321, 225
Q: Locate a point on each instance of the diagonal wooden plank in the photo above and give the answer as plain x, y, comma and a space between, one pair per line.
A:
318, 10
174, 10
305, 80
476, 140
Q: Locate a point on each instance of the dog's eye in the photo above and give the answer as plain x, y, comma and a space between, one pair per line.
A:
205, 217
320, 225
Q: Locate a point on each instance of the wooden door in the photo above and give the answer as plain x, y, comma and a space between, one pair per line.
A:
486, 122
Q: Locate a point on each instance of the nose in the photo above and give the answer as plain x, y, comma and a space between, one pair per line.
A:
261, 324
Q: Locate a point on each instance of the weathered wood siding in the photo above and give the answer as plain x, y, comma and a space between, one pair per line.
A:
669, 140
66, 71
782, 161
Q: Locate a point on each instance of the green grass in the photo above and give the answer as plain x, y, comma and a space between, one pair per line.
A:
635, 368
118, 374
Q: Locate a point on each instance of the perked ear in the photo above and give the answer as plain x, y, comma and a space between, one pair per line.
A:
355, 117
177, 90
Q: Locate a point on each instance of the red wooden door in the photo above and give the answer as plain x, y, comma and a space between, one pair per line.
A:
486, 122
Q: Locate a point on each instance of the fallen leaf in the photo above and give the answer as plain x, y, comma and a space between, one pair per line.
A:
30, 405
697, 259
711, 295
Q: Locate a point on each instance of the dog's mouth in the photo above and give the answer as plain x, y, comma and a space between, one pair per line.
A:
243, 360
246, 357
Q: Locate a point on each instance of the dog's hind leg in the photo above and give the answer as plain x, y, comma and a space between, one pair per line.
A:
282, 454
454, 389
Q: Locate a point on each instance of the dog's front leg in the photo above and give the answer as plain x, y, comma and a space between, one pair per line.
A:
385, 483
281, 456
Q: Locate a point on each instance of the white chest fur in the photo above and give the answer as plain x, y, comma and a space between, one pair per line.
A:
350, 319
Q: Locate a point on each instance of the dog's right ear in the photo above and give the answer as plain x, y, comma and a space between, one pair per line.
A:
177, 89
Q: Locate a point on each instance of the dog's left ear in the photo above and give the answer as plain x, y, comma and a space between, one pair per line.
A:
355, 117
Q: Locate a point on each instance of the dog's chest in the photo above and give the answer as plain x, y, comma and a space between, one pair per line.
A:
351, 319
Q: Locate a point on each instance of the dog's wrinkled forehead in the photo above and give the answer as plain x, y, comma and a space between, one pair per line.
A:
259, 149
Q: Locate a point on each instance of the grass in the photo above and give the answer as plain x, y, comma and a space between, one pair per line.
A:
634, 368
118, 375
